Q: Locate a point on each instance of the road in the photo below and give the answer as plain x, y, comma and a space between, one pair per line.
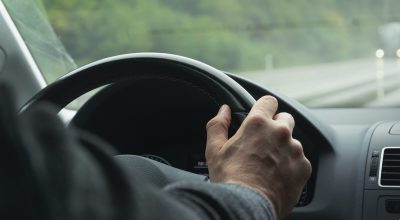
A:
358, 83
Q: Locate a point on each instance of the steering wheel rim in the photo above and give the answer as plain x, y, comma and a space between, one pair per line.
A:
128, 66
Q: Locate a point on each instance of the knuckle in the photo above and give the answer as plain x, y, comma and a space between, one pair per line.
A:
257, 121
283, 131
287, 115
269, 99
297, 149
307, 167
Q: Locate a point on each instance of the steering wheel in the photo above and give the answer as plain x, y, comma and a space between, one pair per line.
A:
112, 71
129, 66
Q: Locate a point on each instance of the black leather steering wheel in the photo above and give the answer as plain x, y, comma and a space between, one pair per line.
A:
136, 65
110, 71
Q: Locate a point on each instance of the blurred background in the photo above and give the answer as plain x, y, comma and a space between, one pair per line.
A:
330, 53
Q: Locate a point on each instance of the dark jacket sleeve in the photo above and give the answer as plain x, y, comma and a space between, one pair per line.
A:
51, 172
221, 201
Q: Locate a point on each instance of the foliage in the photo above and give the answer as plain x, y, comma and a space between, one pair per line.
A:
232, 35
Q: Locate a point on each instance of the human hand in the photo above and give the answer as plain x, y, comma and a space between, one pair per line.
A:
262, 154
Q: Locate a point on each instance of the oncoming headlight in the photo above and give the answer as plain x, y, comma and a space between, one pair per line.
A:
380, 53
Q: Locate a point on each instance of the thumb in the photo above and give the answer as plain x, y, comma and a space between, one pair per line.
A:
217, 131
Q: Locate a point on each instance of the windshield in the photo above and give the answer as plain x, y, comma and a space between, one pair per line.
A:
330, 53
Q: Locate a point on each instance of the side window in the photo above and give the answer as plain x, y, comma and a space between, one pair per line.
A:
44, 45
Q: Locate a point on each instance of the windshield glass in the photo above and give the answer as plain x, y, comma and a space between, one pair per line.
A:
331, 53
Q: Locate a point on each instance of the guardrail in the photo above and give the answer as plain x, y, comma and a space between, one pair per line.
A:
357, 83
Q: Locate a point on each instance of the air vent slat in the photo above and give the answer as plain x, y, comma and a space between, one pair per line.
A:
391, 176
390, 182
392, 160
387, 166
391, 166
390, 163
391, 154
390, 169
392, 173
387, 160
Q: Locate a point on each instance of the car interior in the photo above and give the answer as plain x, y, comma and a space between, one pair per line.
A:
354, 152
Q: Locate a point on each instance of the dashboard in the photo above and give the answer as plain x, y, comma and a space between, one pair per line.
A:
360, 137
347, 147
382, 175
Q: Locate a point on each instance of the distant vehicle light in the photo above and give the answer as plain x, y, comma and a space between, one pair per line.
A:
380, 53
398, 53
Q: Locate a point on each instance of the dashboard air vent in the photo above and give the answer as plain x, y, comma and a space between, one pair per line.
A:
390, 167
